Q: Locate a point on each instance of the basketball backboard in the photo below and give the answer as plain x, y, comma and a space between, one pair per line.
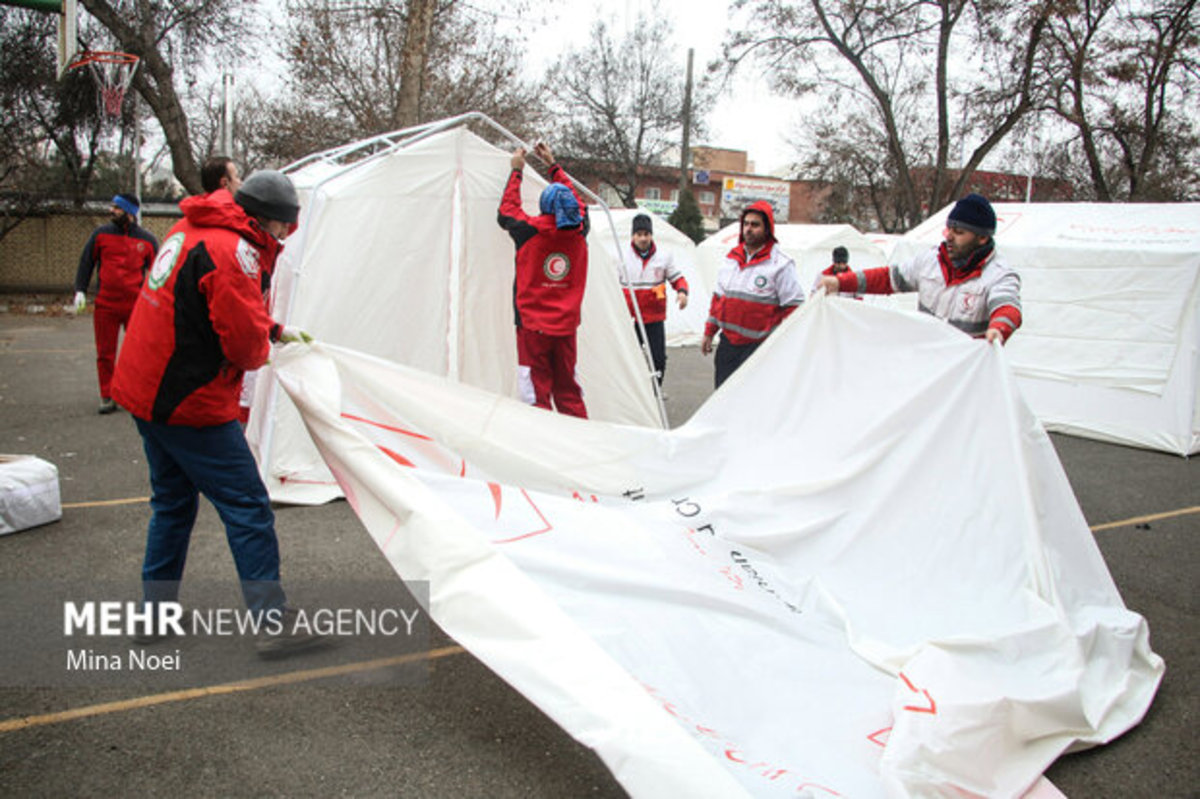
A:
68, 35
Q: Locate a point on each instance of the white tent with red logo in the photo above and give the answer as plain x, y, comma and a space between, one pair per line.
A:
1110, 293
398, 255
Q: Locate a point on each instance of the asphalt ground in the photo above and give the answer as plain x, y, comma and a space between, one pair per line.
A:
436, 722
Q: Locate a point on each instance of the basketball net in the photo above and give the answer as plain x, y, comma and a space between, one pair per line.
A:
113, 72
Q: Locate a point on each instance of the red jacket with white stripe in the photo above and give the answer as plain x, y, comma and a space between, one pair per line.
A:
648, 275
981, 294
200, 320
551, 264
754, 293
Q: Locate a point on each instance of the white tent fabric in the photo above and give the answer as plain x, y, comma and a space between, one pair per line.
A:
858, 570
886, 242
811, 247
684, 328
399, 255
1110, 294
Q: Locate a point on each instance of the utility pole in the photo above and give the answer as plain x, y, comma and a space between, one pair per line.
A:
227, 114
685, 153
137, 150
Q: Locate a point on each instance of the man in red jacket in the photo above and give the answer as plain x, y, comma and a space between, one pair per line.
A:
757, 288
199, 323
119, 252
647, 272
551, 274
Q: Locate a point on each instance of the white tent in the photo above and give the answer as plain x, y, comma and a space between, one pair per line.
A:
811, 247
886, 242
398, 255
684, 328
1110, 294
764, 602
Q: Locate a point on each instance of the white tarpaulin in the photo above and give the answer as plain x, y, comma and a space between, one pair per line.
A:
399, 255
1110, 295
683, 328
858, 570
811, 247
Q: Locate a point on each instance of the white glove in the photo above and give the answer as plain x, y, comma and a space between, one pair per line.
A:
294, 335
80, 301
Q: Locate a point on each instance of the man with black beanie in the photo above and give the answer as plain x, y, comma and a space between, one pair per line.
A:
841, 263
199, 324
963, 280
647, 271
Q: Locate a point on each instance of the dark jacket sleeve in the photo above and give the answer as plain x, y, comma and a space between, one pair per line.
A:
148, 237
83, 275
512, 216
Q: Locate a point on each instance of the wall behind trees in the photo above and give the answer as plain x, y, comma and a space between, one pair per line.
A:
42, 253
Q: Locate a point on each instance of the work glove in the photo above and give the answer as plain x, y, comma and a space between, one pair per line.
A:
294, 335
80, 302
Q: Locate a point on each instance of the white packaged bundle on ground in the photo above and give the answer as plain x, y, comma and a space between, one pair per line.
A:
28, 493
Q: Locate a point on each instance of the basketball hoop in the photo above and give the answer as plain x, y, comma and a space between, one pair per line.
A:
113, 73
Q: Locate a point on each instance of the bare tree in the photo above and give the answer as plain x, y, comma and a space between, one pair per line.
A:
880, 61
1126, 71
169, 37
620, 102
414, 56
39, 110
374, 66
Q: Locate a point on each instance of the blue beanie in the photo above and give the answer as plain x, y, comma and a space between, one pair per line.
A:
973, 213
559, 200
127, 203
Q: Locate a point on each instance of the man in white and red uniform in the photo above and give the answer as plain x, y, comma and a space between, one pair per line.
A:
757, 288
647, 272
551, 274
962, 280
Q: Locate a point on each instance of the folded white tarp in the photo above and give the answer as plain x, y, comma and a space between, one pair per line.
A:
1110, 293
859, 570
29, 493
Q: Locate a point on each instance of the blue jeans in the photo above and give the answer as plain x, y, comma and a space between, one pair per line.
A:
215, 461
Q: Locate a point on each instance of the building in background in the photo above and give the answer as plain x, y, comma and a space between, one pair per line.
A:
723, 182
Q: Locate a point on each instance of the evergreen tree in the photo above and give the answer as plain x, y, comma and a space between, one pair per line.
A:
686, 217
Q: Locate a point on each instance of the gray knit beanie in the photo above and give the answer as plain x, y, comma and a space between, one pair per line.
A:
269, 194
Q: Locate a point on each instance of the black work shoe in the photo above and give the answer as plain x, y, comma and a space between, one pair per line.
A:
288, 640
106, 406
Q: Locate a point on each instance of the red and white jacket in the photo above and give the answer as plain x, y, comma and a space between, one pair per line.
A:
754, 294
551, 264
984, 293
200, 320
121, 257
647, 276
830, 270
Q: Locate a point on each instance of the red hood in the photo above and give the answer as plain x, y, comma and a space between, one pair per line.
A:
764, 208
217, 209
